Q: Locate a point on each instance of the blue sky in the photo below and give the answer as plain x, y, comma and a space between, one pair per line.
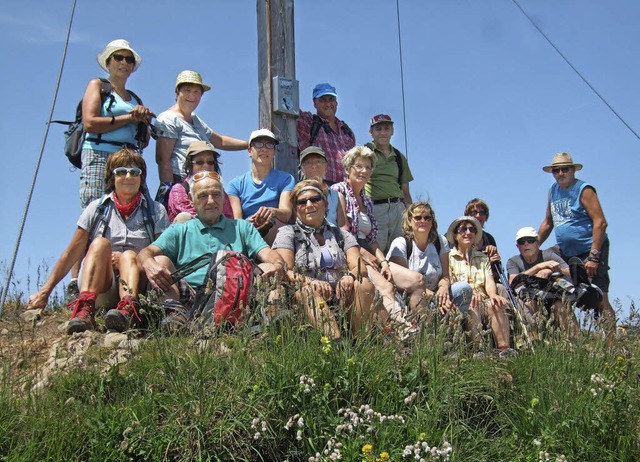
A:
488, 100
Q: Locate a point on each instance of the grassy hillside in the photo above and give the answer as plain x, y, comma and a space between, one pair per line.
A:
290, 394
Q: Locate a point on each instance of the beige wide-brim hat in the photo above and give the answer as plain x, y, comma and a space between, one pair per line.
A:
192, 77
561, 159
114, 46
201, 146
451, 232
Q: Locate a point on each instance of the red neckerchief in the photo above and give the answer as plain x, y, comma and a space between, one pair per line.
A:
126, 210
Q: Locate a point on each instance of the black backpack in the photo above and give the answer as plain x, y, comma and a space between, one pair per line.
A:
74, 135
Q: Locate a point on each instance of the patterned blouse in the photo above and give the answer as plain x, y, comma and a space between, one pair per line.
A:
352, 209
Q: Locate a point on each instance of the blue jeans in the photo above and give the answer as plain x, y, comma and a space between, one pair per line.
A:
461, 293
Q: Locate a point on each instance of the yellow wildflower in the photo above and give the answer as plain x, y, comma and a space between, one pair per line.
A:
367, 448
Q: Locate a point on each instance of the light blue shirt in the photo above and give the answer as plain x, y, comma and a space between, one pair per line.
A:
266, 194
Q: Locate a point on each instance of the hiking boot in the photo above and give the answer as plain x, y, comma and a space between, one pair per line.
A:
507, 353
72, 292
176, 318
123, 316
82, 316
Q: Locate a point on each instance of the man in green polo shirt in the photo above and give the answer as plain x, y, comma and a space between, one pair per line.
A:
388, 186
209, 232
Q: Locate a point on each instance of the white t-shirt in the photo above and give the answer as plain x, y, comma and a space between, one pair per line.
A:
428, 262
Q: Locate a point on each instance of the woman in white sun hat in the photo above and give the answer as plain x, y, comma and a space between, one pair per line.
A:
179, 126
113, 117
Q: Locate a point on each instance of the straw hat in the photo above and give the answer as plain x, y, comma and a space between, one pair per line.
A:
114, 46
561, 159
451, 232
191, 77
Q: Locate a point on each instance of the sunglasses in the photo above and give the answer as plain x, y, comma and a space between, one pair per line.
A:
555, 171
202, 175
464, 229
528, 240
313, 200
423, 218
119, 58
263, 144
202, 162
474, 213
122, 171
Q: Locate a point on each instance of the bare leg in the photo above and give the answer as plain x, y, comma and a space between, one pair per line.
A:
608, 317
411, 281
566, 318
96, 270
129, 274
318, 312
362, 307
499, 325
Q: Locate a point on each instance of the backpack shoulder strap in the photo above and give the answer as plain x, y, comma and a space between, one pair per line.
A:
103, 212
438, 244
135, 96
316, 124
409, 246
339, 237
347, 130
400, 166
185, 185
148, 214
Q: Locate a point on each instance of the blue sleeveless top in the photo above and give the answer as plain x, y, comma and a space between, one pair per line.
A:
126, 134
573, 226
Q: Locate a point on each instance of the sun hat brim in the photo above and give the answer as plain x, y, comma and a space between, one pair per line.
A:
451, 232
114, 46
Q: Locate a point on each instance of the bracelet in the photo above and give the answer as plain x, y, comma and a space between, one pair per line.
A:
593, 259
355, 278
113, 120
384, 261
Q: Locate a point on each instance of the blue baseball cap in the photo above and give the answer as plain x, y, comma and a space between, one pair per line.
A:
324, 89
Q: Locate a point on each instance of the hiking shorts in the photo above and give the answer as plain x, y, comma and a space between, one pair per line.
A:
94, 164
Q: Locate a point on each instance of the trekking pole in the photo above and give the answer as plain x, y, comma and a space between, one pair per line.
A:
512, 299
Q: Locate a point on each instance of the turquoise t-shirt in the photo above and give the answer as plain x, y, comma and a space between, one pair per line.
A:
184, 242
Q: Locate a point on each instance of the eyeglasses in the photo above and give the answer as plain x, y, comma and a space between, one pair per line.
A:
119, 58
202, 162
465, 229
263, 144
313, 200
313, 163
122, 171
474, 213
361, 168
528, 240
202, 175
555, 171
423, 218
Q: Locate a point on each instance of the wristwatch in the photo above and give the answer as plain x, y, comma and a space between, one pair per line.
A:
594, 252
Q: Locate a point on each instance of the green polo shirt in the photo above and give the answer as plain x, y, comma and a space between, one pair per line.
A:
383, 183
184, 242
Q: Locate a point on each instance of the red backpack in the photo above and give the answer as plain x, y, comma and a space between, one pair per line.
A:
225, 295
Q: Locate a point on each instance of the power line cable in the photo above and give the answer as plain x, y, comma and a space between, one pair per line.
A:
404, 108
576, 70
35, 173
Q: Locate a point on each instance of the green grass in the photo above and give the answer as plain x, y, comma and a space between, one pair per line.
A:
232, 397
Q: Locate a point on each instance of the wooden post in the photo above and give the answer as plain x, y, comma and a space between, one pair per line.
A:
276, 57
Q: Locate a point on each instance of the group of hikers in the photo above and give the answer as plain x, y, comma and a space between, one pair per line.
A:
346, 242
